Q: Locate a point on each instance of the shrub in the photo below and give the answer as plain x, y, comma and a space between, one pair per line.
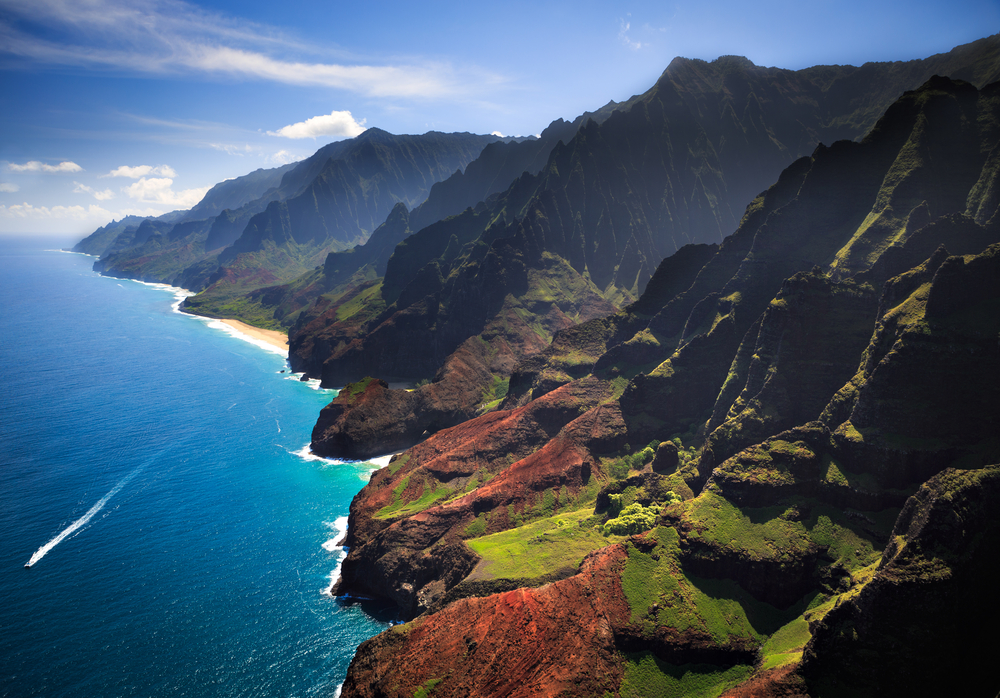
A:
634, 518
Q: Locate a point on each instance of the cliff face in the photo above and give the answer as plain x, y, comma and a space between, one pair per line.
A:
774, 468
676, 165
923, 624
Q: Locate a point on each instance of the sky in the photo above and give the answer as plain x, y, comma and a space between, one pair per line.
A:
118, 107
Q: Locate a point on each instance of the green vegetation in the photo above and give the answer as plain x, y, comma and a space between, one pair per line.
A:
355, 389
756, 533
494, 393
539, 548
619, 468
661, 593
242, 308
398, 463
477, 527
369, 301
401, 507
425, 501
785, 646
646, 676
428, 688
634, 518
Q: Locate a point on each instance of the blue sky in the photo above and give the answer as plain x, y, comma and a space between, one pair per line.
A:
113, 107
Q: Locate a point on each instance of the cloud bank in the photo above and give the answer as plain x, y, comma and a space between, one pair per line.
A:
336, 123
36, 166
26, 210
141, 171
158, 190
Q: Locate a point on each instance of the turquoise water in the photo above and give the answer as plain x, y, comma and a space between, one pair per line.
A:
149, 471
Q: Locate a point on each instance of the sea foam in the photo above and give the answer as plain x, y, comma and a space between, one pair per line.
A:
334, 545
313, 383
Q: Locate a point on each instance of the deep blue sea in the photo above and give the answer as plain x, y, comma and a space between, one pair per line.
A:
149, 469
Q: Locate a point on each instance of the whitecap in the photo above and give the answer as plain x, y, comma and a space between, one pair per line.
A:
339, 528
335, 544
306, 454
369, 464
179, 293
313, 383
382, 461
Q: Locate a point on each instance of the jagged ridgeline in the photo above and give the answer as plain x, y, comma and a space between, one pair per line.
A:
777, 476
485, 289
273, 225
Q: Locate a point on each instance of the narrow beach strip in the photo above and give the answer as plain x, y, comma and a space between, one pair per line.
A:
273, 338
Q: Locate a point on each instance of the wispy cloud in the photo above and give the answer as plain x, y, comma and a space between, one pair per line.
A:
141, 171
171, 36
337, 123
99, 195
36, 166
233, 149
283, 157
625, 38
8, 187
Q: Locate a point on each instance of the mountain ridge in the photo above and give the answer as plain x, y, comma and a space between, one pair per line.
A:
604, 205
742, 559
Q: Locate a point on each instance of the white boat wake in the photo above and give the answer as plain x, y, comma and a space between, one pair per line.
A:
82, 521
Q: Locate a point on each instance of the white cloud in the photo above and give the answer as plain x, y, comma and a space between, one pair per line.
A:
99, 195
283, 157
141, 171
336, 123
36, 166
170, 36
624, 37
26, 210
158, 190
232, 149
497, 134
7, 187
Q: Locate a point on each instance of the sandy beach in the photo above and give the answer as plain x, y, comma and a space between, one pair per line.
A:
272, 337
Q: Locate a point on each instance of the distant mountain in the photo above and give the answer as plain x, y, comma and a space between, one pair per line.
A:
272, 225
499, 164
340, 207
234, 193
776, 473
101, 239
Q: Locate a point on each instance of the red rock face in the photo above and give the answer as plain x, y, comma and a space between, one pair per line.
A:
555, 640
414, 557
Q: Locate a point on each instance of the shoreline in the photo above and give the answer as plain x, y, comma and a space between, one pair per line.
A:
278, 340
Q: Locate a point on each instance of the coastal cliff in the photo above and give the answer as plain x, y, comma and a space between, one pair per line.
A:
755, 480
652, 446
484, 291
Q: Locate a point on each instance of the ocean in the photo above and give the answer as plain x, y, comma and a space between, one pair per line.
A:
154, 473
